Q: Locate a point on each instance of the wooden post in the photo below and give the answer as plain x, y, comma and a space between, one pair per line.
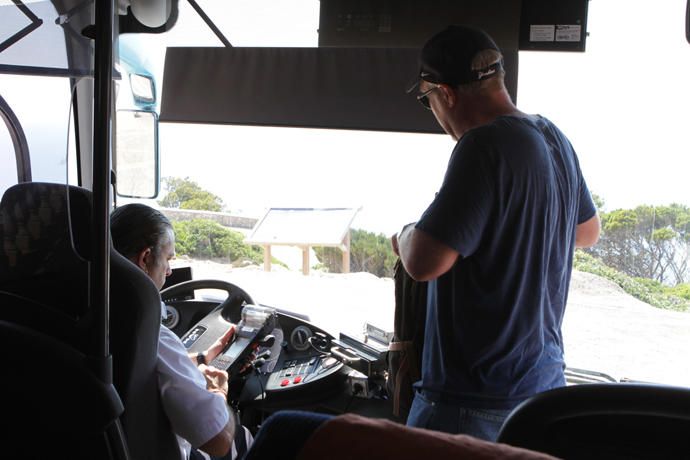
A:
346, 253
267, 257
305, 260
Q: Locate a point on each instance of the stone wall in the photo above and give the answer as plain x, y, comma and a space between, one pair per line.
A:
226, 220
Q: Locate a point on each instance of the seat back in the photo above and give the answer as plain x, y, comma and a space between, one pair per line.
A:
44, 282
44, 259
135, 318
53, 404
603, 420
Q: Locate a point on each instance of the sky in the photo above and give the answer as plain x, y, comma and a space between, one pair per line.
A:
622, 103
625, 102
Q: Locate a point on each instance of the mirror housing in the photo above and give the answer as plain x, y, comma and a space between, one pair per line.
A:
148, 17
143, 89
136, 160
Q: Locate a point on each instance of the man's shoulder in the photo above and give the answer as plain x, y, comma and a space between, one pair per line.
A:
502, 136
505, 126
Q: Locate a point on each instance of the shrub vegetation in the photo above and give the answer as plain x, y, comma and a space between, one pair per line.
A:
207, 239
369, 252
647, 290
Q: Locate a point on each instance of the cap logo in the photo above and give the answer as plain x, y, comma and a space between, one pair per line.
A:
481, 74
424, 74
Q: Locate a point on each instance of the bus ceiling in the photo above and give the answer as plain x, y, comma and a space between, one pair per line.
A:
365, 60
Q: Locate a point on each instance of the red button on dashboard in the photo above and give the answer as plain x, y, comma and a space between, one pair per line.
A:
284, 383
297, 379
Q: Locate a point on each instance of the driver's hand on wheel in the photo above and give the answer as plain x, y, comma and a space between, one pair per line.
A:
217, 347
216, 380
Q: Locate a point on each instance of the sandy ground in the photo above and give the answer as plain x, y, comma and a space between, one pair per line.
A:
605, 329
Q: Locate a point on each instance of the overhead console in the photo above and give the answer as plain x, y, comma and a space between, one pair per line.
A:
537, 25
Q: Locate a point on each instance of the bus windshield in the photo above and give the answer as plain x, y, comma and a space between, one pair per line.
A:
621, 103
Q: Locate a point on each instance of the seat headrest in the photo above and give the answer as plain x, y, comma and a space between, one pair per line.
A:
45, 237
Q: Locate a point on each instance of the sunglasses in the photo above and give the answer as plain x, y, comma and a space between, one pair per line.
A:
424, 97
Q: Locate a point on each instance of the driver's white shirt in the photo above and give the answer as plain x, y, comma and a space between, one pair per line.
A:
196, 415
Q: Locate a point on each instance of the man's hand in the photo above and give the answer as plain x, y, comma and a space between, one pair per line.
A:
395, 238
218, 346
394, 244
216, 380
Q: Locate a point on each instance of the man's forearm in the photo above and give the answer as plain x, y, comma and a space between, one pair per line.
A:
221, 443
423, 257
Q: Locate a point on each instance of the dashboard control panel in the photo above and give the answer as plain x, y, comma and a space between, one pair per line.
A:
300, 371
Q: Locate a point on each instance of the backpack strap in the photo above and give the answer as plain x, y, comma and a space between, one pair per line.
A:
407, 369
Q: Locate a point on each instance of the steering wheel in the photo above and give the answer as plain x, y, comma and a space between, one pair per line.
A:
236, 295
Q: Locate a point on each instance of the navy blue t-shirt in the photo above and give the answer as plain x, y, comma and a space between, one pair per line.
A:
510, 202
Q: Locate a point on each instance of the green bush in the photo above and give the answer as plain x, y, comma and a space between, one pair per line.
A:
203, 238
647, 290
369, 252
682, 290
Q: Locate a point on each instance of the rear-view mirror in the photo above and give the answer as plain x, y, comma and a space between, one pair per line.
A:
136, 154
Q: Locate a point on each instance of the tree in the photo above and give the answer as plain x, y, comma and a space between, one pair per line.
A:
187, 194
648, 242
369, 252
204, 238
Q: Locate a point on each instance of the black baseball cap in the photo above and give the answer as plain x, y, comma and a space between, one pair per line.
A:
447, 57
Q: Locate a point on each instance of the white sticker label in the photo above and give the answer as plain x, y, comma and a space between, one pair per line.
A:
568, 33
542, 33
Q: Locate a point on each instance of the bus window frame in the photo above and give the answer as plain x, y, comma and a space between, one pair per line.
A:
21, 146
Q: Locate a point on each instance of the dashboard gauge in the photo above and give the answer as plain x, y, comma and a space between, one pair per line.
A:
299, 338
172, 317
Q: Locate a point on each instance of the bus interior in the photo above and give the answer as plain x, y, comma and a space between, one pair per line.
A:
94, 95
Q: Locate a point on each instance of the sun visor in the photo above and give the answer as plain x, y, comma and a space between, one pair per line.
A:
340, 88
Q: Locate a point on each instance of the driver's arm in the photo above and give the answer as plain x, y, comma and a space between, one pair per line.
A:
217, 382
195, 412
215, 349
220, 444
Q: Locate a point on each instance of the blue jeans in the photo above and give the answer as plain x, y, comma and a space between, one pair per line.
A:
455, 418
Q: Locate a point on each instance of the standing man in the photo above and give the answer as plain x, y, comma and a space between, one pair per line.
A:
496, 244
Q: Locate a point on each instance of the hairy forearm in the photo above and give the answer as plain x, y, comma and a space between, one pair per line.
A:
423, 257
